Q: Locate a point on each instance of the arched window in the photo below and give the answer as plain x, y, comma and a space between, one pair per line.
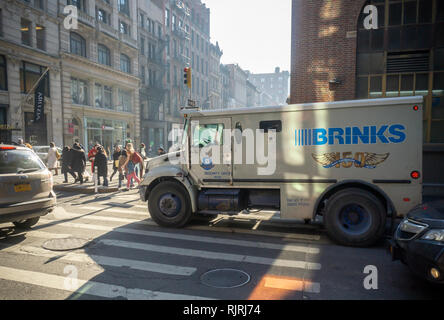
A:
125, 63
104, 55
77, 44
404, 56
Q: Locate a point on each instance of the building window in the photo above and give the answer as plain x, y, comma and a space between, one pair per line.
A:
78, 44
125, 63
142, 74
167, 17
123, 6
26, 28
80, 4
108, 97
102, 16
1, 23
102, 96
124, 28
142, 46
104, 55
141, 20
29, 75
79, 91
124, 101
3, 74
40, 36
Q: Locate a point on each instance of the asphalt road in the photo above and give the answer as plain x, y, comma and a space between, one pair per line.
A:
129, 257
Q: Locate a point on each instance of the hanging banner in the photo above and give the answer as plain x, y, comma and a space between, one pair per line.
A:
39, 102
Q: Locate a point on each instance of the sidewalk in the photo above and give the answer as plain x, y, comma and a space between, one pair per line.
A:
87, 187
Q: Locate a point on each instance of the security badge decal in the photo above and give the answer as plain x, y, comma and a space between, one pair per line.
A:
207, 163
360, 160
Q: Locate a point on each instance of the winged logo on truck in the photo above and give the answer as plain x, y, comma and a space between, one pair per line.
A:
366, 160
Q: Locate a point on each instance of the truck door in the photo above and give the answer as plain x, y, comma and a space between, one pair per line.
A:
210, 163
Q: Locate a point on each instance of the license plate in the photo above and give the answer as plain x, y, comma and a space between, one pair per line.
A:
22, 187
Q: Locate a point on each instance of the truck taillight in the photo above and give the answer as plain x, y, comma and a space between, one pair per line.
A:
416, 108
415, 175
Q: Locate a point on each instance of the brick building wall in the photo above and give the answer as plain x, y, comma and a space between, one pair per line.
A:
324, 49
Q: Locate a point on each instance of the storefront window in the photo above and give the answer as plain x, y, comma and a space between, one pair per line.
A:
108, 133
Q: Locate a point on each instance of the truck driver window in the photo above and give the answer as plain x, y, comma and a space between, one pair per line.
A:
207, 135
271, 125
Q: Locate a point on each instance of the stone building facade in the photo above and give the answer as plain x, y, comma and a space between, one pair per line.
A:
29, 47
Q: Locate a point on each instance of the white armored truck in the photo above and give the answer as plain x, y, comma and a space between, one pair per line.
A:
356, 163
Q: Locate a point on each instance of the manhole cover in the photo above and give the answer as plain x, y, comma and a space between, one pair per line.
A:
65, 244
225, 278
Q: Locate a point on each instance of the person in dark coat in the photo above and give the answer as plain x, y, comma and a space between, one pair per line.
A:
66, 164
101, 163
116, 155
78, 161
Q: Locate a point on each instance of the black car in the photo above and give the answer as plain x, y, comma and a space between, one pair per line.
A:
419, 241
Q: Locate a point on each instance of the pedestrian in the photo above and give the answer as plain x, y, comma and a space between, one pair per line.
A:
52, 158
122, 170
92, 154
78, 161
86, 175
160, 151
101, 163
116, 155
133, 158
143, 151
20, 142
66, 164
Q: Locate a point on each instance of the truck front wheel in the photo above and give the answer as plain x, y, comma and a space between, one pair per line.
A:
355, 217
169, 205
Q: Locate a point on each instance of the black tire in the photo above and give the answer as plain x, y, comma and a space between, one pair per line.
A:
354, 217
170, 205
26, 224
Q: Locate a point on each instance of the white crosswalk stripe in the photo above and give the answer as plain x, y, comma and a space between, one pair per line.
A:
101, 260
83, 287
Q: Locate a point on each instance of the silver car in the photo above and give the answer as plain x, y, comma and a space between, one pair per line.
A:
25, 187
42, 152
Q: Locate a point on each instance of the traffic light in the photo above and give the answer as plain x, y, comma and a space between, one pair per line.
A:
187, 77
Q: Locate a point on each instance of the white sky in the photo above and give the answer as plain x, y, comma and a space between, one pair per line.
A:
256, 34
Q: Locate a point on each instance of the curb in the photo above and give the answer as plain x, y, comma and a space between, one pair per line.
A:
84, 190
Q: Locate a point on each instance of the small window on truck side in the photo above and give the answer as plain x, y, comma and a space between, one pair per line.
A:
271, 125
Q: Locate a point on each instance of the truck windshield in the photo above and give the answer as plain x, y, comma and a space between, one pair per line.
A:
184, 134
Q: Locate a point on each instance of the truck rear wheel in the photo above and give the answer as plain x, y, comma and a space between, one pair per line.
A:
169, 205
355, 217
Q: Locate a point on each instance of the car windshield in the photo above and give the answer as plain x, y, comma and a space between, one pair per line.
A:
19, 161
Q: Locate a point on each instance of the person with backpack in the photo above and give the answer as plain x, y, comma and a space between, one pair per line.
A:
133, 158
